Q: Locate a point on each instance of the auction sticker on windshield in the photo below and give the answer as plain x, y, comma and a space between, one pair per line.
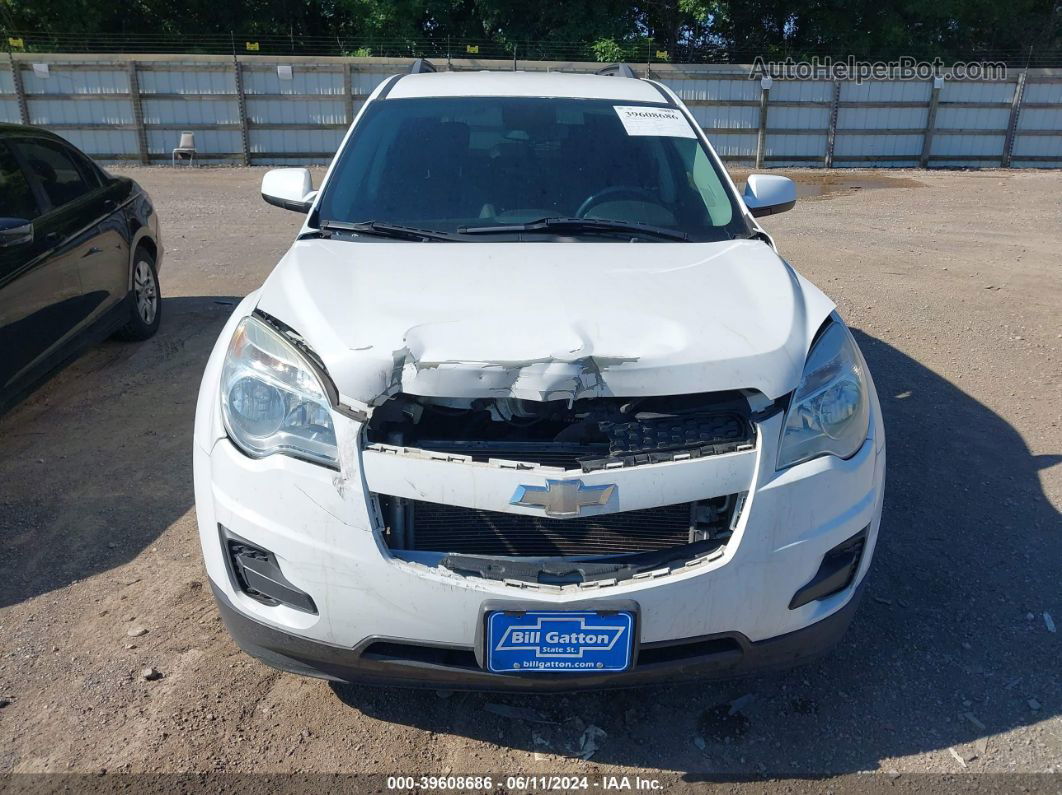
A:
565, 641
641, 120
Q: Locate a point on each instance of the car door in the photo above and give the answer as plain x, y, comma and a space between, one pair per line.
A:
39, 282
105, 270
86, 196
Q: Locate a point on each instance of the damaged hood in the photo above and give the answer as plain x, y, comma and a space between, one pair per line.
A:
547, 321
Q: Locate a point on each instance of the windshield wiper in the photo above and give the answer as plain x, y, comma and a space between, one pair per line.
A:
576, 225
383, 229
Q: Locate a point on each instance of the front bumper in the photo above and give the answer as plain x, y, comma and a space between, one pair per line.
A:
378, 661
321, 528
321, 531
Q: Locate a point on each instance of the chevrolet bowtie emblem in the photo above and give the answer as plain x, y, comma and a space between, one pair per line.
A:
562, 498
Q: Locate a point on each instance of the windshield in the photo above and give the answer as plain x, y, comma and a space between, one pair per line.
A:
448, 163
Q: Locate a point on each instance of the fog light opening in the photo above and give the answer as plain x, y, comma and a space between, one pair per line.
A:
256, 573
836, 573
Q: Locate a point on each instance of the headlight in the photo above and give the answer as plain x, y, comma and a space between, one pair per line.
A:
829, 413
271, 399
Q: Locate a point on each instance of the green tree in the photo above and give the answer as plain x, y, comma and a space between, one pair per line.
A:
689, 30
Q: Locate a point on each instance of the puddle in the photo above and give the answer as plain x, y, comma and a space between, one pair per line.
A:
831, 184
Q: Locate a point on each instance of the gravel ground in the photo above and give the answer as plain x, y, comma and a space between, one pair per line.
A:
954, 284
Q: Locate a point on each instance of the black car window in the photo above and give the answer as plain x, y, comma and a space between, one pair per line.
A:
17, 195
91, 171
54, 166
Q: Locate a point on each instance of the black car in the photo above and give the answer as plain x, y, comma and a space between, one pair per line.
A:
79, 258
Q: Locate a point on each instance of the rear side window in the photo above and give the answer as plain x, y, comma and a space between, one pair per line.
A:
18, 201
57, 170
92, 172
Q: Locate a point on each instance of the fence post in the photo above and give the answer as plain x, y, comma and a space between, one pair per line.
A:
20, 90
348, 91
138, 113
831, 135
242, 103
761, 138
1015, 113
931, 122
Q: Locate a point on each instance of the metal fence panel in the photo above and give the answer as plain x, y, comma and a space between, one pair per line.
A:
61, 112
166, 112
886, 91
1043, 92
976, 91
972, 118
693, 89
952, 145
795, 146
990, 162
268, 81
9, 111
800, 118
364, 82
881, 118
726, 116
911, 162
304, 141
174, 80
1040, 119
307, 112
734, 147
296, 109
1037, 145
75, 81
878, 145
104, 143
802, 91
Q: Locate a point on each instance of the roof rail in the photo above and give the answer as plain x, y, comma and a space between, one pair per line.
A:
617, 70
420, 66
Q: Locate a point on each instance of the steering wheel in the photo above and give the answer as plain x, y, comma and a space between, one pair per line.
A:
615, 193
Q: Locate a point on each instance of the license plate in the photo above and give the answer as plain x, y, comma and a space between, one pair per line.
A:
564, 641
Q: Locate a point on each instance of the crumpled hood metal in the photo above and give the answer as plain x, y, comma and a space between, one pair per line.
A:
547, 321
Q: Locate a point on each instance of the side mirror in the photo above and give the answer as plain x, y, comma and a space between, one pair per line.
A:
769, 194
15, 232
290, 188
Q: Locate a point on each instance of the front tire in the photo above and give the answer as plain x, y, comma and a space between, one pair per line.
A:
145, 299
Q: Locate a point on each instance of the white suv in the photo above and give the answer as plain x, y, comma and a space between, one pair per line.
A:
533, 402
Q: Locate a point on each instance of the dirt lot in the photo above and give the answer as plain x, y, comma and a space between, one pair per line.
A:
954, 283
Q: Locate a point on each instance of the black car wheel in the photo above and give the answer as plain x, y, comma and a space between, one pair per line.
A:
145, 299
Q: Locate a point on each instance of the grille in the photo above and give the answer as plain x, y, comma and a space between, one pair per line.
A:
645, 441
467, 531
676, 433
544, 453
